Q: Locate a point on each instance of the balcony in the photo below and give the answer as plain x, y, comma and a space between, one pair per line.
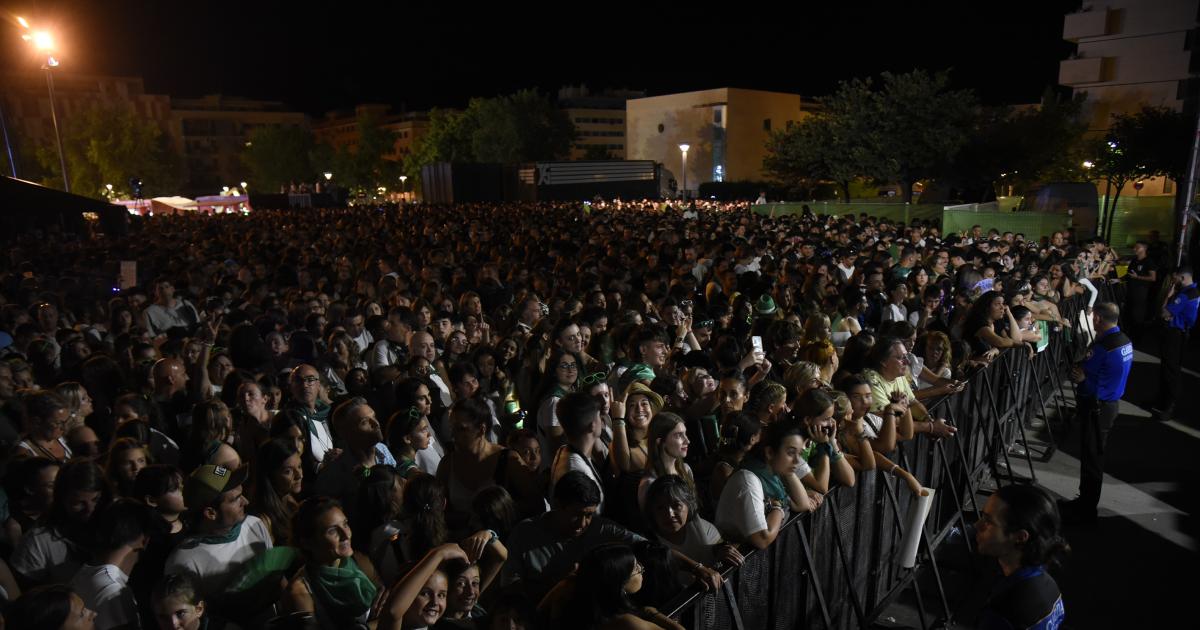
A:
1093, 23
1072, 72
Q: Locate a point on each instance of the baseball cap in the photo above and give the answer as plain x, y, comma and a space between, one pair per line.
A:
205, 485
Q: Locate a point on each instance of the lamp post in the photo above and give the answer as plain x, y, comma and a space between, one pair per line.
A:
684, 148
403, 187
44, 43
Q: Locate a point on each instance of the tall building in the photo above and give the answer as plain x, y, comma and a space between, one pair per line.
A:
726, 130
1131, 54
212, 132
599, 119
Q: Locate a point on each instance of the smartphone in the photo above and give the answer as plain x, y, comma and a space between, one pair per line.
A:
756, 341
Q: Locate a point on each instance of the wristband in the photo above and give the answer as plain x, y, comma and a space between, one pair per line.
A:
494, 537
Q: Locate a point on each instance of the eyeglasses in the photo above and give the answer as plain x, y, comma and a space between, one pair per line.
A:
309, 380
594, 378
568, 366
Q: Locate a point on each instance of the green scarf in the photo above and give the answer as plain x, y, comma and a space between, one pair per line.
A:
772, 484
213, 539
346, 591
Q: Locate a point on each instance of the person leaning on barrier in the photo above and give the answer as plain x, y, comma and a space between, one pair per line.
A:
1101, 378
755, 500
886, 373
854, 437
1019, 527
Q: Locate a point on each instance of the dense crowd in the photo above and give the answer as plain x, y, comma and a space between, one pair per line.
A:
485, 416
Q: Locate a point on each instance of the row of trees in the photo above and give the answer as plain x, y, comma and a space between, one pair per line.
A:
913, 127
520, 127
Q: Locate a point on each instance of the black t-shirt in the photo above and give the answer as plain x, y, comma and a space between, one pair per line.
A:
1142, 268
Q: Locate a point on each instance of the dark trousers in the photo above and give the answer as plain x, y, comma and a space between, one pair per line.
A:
1134, 315
1173, 342
1096, 417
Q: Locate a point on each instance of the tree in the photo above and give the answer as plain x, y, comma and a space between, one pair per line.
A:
279, 155
837, 143
1021, 148
596, 152
108, 144
363, 167
921, 125
1153, 141
521, 127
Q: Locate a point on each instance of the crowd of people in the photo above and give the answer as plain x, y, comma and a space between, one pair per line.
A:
481, 416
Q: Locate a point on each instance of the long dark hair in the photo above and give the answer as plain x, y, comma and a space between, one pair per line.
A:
77, 475
550, 377
424, 505
375, 504
267, 501
304, 522
600, 584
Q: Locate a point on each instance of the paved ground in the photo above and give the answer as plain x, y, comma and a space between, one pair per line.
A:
1137, 567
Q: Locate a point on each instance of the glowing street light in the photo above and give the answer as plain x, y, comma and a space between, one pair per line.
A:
684, 149
43, 41
328, 175
1087, 164
243, 185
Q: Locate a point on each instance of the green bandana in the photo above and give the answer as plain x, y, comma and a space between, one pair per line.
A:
345, 590
214, 539
772, 484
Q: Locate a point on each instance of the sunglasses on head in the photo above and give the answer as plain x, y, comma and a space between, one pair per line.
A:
592, 379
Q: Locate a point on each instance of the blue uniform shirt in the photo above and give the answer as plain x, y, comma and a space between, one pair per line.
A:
1106, 368
1183, 308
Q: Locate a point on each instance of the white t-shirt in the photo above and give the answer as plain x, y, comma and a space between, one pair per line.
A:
46, 557
565, 460
872, 425
546, 418
104, 589
895, 313
428, 459
741, 510
215, 565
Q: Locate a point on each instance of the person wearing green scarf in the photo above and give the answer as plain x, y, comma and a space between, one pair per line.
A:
754, 501
225, 537
337, 584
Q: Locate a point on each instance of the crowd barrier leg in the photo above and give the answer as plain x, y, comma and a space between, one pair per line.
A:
910, 574
958, 504
970, 474
846, 564
812, 570
994, 435
1052, 446
734, 612
1022, 396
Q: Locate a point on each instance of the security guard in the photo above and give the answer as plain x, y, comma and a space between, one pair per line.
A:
1179, 313
1101, 378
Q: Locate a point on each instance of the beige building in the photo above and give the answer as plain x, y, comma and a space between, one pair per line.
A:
726, 130
213, 132
1130, 54
599, 119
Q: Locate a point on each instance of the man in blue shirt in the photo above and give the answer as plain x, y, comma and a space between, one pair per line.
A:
1179, 313
1101, 378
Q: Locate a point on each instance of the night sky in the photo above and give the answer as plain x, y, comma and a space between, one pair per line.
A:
329, 56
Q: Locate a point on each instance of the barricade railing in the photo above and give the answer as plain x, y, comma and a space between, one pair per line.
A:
839, 567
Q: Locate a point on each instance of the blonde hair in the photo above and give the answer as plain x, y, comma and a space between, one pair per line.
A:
72, 393
841, 405
818, 352
813, 324
765, 394
799, 372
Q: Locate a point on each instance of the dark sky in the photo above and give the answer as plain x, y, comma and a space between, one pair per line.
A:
329, 55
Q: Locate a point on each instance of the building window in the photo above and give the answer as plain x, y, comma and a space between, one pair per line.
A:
766, 124
716, 115
661, 128
1168, 186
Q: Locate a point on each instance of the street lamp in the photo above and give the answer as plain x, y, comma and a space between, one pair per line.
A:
44, 43
403, 189
1087, 164
328, 175
684, 148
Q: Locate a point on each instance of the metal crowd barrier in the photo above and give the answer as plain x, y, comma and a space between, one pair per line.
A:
839, 567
